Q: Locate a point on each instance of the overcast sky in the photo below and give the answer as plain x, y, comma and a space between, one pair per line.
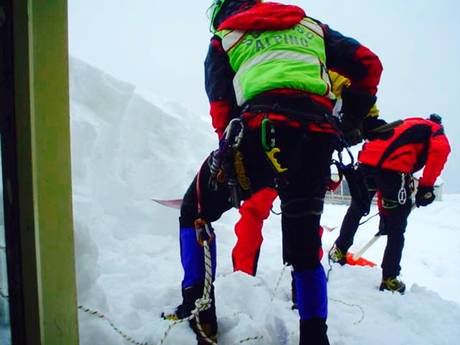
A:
160, 47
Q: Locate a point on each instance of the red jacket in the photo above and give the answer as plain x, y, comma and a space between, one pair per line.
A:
415, 144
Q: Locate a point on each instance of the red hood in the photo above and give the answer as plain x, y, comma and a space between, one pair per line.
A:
265, 16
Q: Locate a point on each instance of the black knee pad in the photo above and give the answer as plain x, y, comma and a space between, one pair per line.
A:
301, 238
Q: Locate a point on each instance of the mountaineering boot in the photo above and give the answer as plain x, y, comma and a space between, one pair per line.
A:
338, 256
208, 324
205, 326
207, 318
313, 332
393, 285
189, 295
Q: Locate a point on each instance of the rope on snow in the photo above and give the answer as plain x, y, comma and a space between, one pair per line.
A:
101, 316
351, 305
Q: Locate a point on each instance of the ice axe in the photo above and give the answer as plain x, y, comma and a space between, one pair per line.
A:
380, 233
359, 253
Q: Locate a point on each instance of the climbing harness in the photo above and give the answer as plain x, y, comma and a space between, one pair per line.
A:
341, 167
226, 163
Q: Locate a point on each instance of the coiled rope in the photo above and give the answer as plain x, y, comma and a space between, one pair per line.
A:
201, 304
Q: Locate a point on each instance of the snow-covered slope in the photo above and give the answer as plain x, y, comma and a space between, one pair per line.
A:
127, 149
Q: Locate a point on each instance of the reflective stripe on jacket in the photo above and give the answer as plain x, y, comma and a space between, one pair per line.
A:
266, 60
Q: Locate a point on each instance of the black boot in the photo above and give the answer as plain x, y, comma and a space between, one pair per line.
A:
293, 292
207, 318
313, 332
189, 296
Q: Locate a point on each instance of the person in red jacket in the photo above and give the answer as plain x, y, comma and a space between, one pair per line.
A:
271, 103
387, 164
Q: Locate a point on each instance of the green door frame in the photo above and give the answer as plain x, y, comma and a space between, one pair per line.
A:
37, 178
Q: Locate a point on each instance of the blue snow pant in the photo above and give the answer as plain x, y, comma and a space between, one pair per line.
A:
393, 216
301, 189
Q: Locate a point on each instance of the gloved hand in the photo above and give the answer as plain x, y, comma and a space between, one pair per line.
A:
352, 131
425, 196
371, 124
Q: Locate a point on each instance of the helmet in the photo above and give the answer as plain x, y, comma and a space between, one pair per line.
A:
213, 11
435, 118
222, 9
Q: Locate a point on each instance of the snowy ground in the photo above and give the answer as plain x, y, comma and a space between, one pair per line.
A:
129, 147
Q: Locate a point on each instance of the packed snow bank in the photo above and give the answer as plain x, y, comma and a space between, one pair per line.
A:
127, 150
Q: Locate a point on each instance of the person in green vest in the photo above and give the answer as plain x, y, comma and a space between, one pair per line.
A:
266, 77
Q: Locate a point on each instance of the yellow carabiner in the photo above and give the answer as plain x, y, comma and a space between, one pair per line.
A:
271, 156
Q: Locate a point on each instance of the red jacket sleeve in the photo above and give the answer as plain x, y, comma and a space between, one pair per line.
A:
438, 151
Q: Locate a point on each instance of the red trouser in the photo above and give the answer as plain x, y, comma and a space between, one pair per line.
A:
248, 230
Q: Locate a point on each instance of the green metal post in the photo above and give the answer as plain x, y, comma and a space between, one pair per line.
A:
45, 193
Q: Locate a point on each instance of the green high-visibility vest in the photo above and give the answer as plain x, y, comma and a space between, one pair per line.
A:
265, 60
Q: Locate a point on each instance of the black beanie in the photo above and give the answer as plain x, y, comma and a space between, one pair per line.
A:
435, 118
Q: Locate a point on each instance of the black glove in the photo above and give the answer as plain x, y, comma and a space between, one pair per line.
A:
424, 196
353, 135
371, 125
355, 106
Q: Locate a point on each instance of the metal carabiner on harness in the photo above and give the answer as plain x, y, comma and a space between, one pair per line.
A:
234, 139
230, 141
269, 144
203, 231
341, 167
233, 135
402, 193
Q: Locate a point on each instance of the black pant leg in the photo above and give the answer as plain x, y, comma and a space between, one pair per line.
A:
201, 201
357, 209
394, 216
302, 198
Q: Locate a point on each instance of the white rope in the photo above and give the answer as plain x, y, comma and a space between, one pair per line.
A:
204, 302
275, 290
201, 304
257, 337
115, 328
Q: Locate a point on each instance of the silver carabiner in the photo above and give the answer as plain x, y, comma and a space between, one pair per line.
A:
228, 132
402, 193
